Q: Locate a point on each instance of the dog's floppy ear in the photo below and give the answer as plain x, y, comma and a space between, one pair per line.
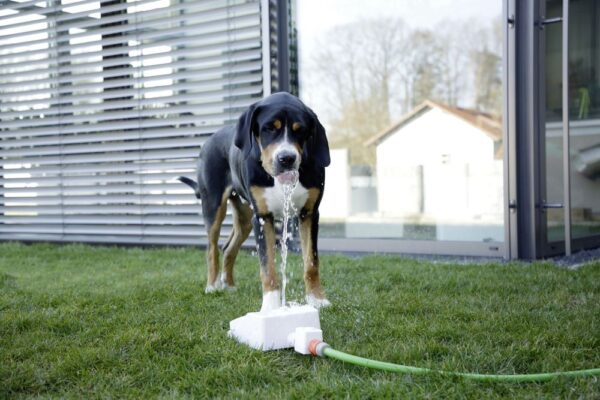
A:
317, 146
245, 130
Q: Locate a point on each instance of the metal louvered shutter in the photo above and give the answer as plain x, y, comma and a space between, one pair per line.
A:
104, 103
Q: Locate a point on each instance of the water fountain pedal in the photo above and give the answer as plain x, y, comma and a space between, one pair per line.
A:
276, 329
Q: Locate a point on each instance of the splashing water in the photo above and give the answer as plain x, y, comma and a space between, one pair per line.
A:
288, 210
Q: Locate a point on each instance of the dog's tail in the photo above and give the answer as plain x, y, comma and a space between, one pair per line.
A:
191, 183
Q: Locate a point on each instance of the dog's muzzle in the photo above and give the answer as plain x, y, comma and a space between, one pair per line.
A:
287, 162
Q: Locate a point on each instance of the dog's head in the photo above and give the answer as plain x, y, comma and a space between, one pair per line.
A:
285, 132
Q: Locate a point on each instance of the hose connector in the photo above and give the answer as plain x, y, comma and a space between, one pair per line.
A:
317, 347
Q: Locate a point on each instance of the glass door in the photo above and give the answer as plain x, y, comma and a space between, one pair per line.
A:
570, 192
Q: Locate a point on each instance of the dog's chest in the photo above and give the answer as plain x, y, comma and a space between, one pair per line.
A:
274, 199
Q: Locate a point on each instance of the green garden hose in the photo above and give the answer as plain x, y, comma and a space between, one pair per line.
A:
323, 349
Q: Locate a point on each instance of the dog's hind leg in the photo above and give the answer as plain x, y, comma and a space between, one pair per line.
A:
214, 213
242, 226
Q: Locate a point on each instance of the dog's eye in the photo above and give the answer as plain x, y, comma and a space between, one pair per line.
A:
273, 126
277, 124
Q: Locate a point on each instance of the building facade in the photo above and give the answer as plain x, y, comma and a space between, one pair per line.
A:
104, 103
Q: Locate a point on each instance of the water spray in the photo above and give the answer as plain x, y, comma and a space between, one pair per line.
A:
288, 208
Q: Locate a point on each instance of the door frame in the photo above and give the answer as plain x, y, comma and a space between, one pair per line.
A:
525, 157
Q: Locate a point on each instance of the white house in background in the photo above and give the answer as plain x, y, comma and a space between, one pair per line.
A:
441, 165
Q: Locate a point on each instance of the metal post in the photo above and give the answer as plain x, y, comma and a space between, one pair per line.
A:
526, 146
508, 125
283, 45
565, 127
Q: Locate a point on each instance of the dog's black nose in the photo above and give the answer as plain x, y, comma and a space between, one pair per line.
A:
286, 160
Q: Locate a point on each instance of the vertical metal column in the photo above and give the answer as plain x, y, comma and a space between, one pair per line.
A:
283, 45
565, 127
509, 129
525, 157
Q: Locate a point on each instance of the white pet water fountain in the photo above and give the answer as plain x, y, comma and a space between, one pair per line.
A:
293, 326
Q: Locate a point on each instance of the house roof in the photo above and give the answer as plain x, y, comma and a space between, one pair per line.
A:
485, 122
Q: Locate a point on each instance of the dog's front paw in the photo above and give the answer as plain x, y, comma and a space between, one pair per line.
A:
226, 286
213, 288
316, 302
216, 286
271, 301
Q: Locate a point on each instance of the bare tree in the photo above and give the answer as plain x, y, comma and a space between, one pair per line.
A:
359, 61
421, 69
385, 43
338, 62
486, 61
453, 59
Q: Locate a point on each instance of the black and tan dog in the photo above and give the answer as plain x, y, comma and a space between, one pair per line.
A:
247, 164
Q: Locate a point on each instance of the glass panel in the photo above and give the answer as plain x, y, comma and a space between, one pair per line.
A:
555, 221
411, 97
584, 113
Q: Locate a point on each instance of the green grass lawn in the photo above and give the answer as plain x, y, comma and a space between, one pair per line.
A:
95, 322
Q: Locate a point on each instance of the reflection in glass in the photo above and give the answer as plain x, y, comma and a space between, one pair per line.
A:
584, 117
555, 217
412, 104
584, 113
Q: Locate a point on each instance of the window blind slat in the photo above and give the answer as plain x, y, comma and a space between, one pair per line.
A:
97, 189
158, 73
90, 108
189, 30
102, 149
148, 239
202, 59
188, 153
210, 84
114, 126
92, 168
209, 111
212, 44
173, 200
115, 210
41, 8
107, 137
95, 25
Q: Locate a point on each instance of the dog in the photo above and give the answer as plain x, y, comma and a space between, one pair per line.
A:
247, 165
